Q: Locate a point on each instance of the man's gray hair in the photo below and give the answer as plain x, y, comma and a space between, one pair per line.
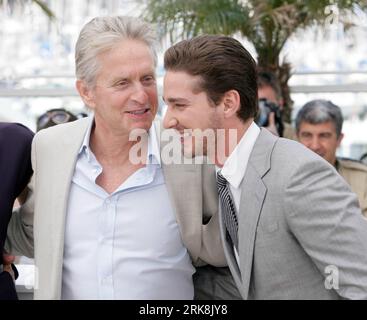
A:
320, 111
101, 34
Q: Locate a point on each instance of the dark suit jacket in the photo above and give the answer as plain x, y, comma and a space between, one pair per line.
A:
15, 172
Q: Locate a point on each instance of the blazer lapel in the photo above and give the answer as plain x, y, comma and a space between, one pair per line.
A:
229, 253
252, 198
65, 158
185, 202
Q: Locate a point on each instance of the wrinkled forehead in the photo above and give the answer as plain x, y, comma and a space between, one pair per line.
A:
126, 58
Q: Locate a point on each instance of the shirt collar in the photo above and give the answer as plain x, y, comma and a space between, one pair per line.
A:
85, 145
234, 168
153, 155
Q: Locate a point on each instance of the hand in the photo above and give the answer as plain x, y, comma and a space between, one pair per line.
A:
7, 261
23, 196
272, 127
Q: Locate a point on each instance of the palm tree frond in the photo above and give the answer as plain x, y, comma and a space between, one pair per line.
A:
45, 8
268, 24
23, 3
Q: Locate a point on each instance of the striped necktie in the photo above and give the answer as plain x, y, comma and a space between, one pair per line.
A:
229, 215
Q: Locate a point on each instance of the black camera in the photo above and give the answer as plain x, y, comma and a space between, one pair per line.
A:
262, 119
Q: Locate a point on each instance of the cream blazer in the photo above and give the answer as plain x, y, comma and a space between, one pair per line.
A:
37, 229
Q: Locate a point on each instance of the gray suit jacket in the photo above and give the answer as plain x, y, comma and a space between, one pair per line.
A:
38, 228
297, 219
299, 226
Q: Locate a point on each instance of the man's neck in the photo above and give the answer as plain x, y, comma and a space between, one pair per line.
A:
111, 148
233, 133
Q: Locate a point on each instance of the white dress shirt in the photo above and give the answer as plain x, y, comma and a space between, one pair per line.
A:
127, 244
235, 166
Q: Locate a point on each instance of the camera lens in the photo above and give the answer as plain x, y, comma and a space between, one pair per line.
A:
264, 110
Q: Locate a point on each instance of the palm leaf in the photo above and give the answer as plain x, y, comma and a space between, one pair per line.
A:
268, 24
43, 6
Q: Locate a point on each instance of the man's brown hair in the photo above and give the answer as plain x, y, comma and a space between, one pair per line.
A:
223, 64
268, 79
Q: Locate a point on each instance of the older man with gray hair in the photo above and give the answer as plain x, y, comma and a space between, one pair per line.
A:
107, 227
319, 127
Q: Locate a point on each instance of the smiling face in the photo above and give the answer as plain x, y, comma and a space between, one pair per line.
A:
320, 138
124, 96
189, 108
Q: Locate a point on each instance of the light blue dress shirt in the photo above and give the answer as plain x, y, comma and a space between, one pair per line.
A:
127, 244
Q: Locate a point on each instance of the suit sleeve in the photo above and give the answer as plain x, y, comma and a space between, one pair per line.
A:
20, 229
323, 214
212, 251
24, 166
7, 287
214, 283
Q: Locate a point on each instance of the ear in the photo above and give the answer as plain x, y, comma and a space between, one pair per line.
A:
86, 93
232, 103
340, 139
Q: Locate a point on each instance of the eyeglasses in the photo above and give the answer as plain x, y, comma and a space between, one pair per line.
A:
57, 117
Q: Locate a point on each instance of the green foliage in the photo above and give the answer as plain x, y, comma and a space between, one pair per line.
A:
268, 24
45, 8
41, 4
